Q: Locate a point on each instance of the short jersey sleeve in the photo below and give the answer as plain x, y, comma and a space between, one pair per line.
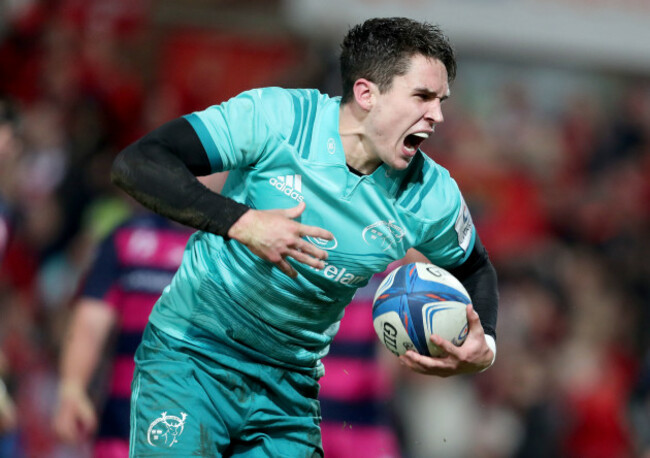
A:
450, 240
236, 133
104, 272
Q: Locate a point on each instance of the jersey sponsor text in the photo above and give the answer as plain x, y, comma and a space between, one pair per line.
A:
341, 275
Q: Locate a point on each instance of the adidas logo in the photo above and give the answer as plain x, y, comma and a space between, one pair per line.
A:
291, 185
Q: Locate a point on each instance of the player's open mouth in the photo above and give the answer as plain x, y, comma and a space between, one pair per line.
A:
413, 141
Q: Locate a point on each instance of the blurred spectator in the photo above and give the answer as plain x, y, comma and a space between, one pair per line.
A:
131, 268
640, 411
595, 365
9, 151
10, 147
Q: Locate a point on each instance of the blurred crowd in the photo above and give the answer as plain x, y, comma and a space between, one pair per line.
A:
559, 194
558, 188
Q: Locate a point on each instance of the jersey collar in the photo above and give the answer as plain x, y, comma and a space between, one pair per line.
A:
385, 177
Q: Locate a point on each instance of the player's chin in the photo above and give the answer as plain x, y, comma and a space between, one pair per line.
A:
401, 162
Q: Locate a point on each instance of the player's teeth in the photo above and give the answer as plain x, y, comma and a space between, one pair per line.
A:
421, 134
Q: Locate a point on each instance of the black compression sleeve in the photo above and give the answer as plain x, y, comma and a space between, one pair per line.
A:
159, 172
480, 279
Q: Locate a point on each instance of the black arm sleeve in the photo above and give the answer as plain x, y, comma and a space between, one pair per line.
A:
479, 277
160, 171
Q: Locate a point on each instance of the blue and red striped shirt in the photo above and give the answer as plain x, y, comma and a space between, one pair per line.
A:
131, 269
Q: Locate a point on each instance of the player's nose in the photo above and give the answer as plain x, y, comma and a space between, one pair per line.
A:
434, 112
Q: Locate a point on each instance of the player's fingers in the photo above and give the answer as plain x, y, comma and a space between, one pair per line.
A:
311, 250
416, 361
314, 231
305, 258
440, 366
58, 428
447, 347
473, 319
286, 268
294, 212
65, 429
88, 420
411, 362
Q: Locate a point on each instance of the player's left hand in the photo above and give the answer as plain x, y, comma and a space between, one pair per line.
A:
275, 235
472, 356
75, 418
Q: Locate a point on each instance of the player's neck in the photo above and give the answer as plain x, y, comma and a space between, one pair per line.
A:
354, 140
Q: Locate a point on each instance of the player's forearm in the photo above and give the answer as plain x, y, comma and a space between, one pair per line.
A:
479, 277
482, 288
74, 417
83, 347
161, 180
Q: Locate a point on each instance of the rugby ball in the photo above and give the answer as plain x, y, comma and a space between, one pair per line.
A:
418, 300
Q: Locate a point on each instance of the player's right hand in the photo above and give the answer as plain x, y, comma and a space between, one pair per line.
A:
75, 419
473, 356
273, 235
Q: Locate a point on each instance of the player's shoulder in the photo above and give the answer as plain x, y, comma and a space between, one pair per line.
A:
428, 189
436, 172
286, 108
286, 94
279, 99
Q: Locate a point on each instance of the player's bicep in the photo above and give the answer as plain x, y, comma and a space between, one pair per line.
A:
95, 315
179, 138
101, 278
236, 133
478, 276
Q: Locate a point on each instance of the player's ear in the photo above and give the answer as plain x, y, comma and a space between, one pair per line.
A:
364, 93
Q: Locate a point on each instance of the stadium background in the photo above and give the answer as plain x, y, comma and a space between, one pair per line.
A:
547, 133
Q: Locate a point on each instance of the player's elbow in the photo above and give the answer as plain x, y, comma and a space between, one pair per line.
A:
122, 167
117, 171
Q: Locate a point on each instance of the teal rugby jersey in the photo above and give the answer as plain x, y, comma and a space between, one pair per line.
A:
282, 147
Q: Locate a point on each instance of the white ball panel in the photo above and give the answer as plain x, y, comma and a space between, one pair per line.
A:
390, 330
434, 273
446, 319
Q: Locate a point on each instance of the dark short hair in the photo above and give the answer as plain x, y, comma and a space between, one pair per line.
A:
380, 49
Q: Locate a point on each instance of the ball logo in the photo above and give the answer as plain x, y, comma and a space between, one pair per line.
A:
289, 185
383, 234
323, 244
434, 271
165, 431
392, 333
390, 337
